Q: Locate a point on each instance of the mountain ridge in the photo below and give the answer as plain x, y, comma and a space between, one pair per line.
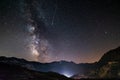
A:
109, 59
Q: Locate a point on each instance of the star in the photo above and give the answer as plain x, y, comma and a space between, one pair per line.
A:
105, 32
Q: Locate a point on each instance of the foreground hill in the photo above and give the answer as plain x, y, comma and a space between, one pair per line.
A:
15, 72
108, 67
110, 64
111, 56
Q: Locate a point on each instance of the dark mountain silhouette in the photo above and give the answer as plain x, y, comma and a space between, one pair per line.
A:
110, 64
110, 56
106, 67
59, 67
15, 72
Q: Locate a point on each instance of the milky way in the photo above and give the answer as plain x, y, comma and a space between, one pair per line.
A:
38, 44
53, 30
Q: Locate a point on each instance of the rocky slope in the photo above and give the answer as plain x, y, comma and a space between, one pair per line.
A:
108, 67
110, 64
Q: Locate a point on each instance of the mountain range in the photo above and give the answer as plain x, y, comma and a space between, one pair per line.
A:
21, 69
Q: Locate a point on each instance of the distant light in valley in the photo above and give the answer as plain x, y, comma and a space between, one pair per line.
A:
67, 74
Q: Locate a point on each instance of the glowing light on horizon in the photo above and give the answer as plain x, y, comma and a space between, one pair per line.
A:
67, 74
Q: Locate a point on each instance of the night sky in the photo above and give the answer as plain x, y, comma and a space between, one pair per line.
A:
52, 30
